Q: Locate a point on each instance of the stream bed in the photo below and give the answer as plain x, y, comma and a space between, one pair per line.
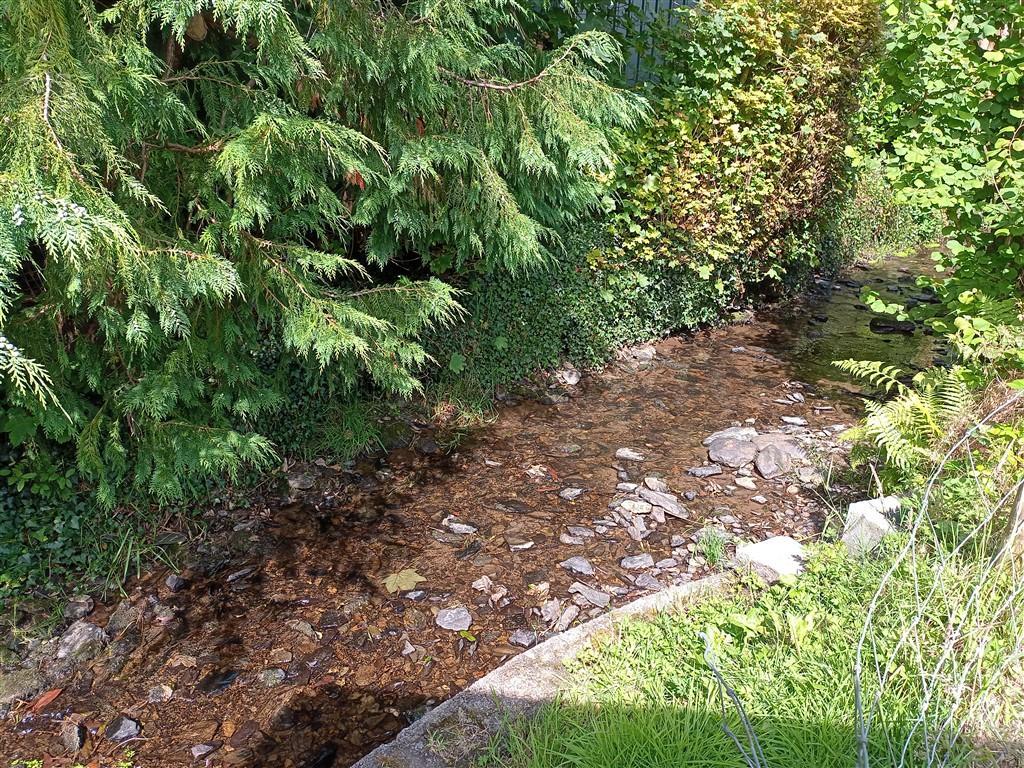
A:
315, 636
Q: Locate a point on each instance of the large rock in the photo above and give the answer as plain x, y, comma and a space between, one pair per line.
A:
773, 558
867, 523
772, 462
19, 685
81, 641
783, 442
732, 452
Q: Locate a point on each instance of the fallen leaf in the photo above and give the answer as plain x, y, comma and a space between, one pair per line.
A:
43, 700
402, 581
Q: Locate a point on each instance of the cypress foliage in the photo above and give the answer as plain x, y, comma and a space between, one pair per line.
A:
182, 180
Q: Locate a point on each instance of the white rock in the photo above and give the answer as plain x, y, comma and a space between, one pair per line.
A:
773, 558
455, 619
578, 565
629, 454
735, 433
867, 524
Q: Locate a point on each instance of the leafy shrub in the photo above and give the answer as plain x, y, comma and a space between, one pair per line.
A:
753, 103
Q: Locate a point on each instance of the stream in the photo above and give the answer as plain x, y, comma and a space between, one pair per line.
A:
314, 637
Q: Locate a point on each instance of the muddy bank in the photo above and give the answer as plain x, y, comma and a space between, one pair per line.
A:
319, 635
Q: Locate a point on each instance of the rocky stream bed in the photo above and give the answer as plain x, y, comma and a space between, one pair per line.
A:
317, 625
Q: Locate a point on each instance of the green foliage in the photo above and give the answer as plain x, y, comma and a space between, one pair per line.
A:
949, 128
753, 105
181, 181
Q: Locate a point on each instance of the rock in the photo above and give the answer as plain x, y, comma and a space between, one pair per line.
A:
730, 433
159, 694
773, 558
668, 562
452, 524
124, 616
517, 543
78, 607
783, 442
746, 482
708, 470
570, 494
525, 638
571, 541
759, 499
175, 583
867, 524
891, 325
656, 484
795, 421
122, 728
565, 449
301, 481
666, 501
648, 582
626, 487
303, 627
272, 677
593, 596
809, 476
567, 618
81, 641
578, 565
456, 619
732, 452
241, 573
629, 454
72, 735
569, 376
199, 751
677, 540
635, 507
772, 462
635, 562
581, 531
19, 685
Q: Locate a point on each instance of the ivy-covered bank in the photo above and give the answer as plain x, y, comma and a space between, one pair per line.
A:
565, 215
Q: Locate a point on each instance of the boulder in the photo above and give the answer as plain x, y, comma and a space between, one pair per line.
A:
867, 523
772, 462
733, 433
773, 558
81, 641
732, 452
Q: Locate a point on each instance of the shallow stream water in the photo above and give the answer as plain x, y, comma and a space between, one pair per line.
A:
293, 651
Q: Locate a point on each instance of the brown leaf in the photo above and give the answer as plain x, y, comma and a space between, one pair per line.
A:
43, 700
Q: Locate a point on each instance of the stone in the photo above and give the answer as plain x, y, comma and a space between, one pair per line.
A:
122, 728
272, 677
593, 596
199, 751
656, 484
72, 735
708, 470
635, 507
668, 562
524, 638
452, 524
746, 482
78, 607
666, 501
581, 531
578, 565
809, 476
175, 582
731, 452
783, 442
759, 499
629, 454
81, 641
795, 421
867, 523
626, 487
772, 462
159, 694
567, 618
301, 481
730, 433
241, 573
570, 494
124, 616
572, 541
773, 558
455, 619
648, 582
635, 562
19, 685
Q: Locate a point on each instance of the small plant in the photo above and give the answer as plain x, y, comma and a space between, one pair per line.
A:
711, 546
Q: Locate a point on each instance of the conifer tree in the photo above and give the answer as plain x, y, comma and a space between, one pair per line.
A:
183, 180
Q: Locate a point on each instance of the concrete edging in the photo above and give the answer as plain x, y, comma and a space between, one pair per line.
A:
521, 684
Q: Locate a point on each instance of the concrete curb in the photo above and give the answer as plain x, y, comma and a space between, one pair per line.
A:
519, 686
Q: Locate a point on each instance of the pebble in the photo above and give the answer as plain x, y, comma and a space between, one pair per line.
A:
759, 499
567, 618
626, 487
593, 596
635, 507
629, 454
175, 582
578, 565
708, 470
634, 562
452, 524
456, 619
572, 541
81, 641
666, 501
648, 582
580, 530
570, 494
746, 482
796, 421
656, 484
199, 751
122, 728
79, 607
159, 693
668, 562
272, 677
525, 638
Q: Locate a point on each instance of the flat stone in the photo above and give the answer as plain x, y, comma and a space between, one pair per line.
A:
593, 596
708, 470
567, 618
773, 462
795, 421
668, 562
524, 638
570, 494
580, 530
732, 452
648, 582
456, 619
626, 487
635, 562
635, 507
786, 443
867, 524
629, 454
159, 694
81, 641
453, 524
199, 751
773, 558
666, 501
578, 565
656, 484
746, 482
730, 433
517, 543
122, 728
572, 541
759, 499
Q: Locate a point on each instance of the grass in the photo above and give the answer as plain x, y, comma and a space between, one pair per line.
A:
647, 697
711, 546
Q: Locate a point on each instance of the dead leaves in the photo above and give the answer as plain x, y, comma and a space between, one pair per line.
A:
402, 581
